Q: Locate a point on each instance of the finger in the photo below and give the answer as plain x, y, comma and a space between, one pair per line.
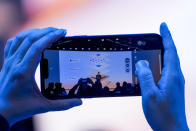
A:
34, 52
57, 105
146, 79
37, 63
7, 47
30, 39
171, 60
18, 40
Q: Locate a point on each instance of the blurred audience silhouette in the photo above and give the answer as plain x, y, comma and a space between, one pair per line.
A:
85, 87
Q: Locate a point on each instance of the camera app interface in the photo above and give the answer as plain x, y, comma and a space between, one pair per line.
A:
96, 73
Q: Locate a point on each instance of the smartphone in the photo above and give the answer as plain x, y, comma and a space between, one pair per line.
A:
98, 66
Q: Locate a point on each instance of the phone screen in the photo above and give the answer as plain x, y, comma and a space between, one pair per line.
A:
96, 73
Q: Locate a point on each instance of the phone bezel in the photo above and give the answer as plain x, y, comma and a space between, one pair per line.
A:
153, 42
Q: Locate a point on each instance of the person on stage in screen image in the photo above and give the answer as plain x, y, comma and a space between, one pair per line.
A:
163, 103
99, 77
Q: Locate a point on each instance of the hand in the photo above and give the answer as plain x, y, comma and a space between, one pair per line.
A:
19, 94
163, 103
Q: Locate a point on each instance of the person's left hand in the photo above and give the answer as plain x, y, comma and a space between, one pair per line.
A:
20, 97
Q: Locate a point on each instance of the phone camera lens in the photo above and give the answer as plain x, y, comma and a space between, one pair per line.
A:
141, 43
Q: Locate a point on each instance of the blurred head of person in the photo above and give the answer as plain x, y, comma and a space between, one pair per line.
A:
12, 17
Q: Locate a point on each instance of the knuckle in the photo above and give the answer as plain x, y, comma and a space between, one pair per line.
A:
50, 28
35, 47
176, 76
18, 73
69, 105
18, 37
7, 47
183, 80
8, 64
31, 38
172, 48
51, 35
34, 29
151, 94
9, 40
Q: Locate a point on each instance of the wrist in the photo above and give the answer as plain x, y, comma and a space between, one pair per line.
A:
181, 124
181, 127
8, 113
4, 112
4, 124
174, 127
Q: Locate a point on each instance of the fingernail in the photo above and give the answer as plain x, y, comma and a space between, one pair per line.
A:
78, 102
146, 62
51, 28
164, 23
164, 26
142, 63
65, 31
61, 32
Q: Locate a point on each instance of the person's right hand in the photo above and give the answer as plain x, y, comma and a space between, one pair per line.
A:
163, 103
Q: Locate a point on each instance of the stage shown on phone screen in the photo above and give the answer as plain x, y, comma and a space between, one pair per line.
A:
96, 73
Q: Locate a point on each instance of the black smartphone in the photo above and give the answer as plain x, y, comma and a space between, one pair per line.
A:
98, 66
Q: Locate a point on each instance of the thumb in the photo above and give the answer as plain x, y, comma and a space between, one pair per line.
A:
145, 76
58, 105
